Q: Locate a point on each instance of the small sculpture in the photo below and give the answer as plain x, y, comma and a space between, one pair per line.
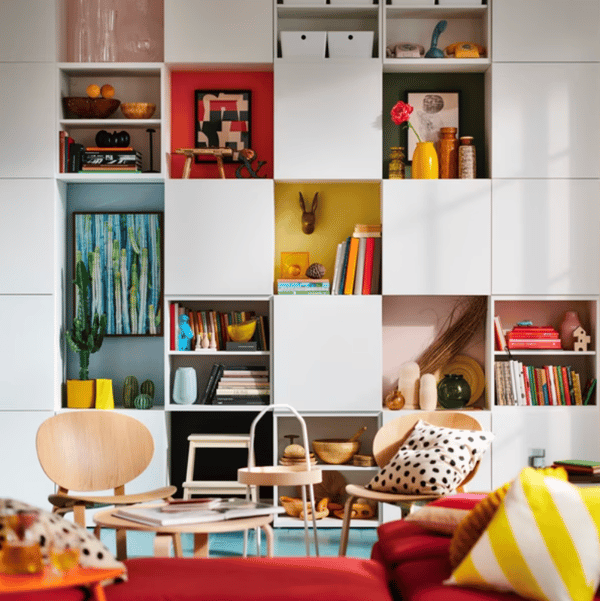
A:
247, 155
434, 51
308, 217
185, 333
582, 339
316, 271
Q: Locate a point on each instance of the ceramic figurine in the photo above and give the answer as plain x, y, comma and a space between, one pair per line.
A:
408, 384
434, 51
247, 155
428, 393
582, 339
308, 217
185, 333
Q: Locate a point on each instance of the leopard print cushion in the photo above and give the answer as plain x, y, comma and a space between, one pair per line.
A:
433, 460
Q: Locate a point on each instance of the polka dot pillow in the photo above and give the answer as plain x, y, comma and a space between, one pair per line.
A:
432, 461
51, 527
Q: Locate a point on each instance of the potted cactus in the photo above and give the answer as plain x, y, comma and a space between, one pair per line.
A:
84, 338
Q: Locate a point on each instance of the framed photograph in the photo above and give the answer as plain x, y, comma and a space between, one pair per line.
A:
432, 111
294, 265
222, 120
123, 252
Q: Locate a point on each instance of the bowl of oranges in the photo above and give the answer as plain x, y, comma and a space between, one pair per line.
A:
98, 104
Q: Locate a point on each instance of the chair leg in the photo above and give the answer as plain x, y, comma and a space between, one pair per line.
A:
79, 514
121, 536
346, 526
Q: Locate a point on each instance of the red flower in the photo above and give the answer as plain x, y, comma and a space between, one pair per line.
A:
401, 112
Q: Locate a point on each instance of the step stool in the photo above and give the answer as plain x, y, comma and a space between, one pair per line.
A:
214, 487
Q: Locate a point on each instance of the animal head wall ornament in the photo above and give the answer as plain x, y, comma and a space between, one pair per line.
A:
308, 217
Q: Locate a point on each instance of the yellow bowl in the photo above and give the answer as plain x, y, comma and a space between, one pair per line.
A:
334, 451
242, 332
138, 110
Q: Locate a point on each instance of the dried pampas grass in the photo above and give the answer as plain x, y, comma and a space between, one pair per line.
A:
455, 334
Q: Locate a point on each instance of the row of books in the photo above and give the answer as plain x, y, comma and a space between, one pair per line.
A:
579, 466
523, 337
519, 384
215, 323
76, 158
237, 385
357, 267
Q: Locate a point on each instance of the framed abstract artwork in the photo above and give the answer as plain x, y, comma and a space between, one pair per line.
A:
222, 120
123, 253
432, 111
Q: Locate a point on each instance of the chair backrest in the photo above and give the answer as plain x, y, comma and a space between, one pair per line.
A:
389, 438
93, 450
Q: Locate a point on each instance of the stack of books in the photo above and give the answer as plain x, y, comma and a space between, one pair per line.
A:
237, 385
358, 262
579, 466
125, 159
533, 337
70, 154
303, 286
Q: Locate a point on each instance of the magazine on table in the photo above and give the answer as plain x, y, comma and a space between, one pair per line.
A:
227, 509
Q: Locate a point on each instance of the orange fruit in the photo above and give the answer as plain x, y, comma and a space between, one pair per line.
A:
107, 91
93, 91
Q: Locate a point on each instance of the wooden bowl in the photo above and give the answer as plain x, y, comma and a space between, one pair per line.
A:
335, 451
90, 108
138, 110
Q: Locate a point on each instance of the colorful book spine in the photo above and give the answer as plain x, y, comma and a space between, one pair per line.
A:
368, 271
339, 258
351, 267
344, 266
360, 265
376, 277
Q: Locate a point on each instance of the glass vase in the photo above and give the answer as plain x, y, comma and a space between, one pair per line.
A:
454, 391
425, 163
107, 40
82, 49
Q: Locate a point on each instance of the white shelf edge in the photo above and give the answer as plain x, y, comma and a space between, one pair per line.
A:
136, 69
95, 123
551, 352
213, 408
441, 65
108, 178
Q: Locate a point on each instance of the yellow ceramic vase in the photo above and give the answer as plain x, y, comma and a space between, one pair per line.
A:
425, 161
81, 394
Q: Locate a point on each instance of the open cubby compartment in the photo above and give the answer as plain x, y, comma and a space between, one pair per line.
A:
411, 323
139, 29
203, 360
415, 25
364, 17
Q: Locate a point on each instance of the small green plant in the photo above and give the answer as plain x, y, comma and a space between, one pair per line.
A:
131, 389
88, 331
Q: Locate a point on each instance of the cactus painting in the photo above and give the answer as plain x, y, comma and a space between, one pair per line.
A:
123, 254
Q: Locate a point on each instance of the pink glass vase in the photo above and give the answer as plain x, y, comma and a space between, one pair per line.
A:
568, 325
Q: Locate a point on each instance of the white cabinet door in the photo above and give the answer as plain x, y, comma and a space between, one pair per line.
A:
562, 432
545, 237
219, 237
204, 31
28, 32
327, 352
545, 30
436, 237
20, 471
545, 120
328, 120
27, 107
27, 236
27, 353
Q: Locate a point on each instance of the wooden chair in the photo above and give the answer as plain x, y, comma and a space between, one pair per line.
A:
386, 443
95, 450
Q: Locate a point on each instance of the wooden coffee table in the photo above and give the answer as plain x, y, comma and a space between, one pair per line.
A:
164, 535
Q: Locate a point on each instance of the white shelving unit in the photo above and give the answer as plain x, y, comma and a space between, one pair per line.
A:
526, 236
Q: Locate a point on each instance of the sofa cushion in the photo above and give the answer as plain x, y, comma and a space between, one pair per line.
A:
463, 500
255, 578
443, 520
433, 460
543, 542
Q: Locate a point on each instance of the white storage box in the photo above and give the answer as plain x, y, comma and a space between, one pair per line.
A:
303, 43
355, 44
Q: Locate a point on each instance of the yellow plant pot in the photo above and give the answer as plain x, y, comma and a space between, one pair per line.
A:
81, 394
425, 161
104, 394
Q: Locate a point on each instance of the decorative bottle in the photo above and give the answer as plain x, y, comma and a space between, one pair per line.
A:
568, 325
396, 170
467, 165
448, 153
454, 391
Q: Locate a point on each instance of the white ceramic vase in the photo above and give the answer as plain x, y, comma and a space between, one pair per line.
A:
185, 388
428, 393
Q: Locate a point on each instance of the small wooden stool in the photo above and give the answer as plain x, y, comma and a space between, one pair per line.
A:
190, 153
213, 487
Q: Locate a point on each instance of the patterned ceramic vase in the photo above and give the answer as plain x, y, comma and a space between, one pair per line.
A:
425, 161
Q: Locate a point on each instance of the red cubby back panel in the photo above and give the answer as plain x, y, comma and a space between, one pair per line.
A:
183, 86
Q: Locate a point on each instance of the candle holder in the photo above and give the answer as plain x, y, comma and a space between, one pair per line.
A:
150, 132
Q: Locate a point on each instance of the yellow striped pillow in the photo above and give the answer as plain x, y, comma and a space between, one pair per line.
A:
542, 543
